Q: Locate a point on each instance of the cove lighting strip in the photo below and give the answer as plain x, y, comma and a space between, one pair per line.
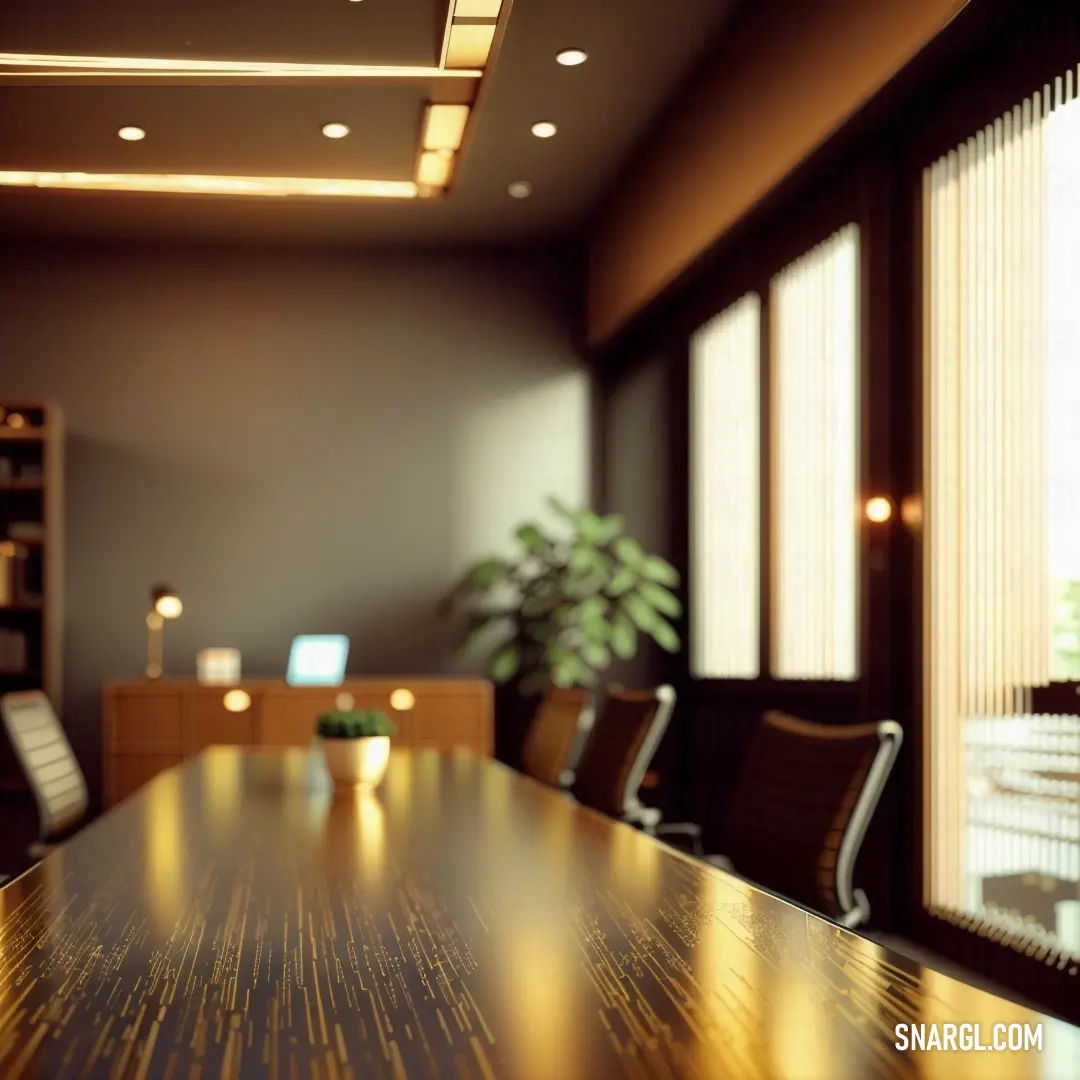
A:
113, 66
470, 33
172, 184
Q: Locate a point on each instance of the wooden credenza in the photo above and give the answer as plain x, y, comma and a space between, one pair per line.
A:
148, 727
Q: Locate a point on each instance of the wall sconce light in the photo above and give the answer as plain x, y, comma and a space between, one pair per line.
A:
402, 700
878, 509
236, 700
911, 511
164, 604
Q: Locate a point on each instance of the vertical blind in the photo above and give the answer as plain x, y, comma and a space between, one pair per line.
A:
815, 364
725, 380
1001, 538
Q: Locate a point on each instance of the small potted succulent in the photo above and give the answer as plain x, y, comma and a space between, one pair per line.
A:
356, 746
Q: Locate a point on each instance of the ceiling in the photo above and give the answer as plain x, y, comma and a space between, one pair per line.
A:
60, 114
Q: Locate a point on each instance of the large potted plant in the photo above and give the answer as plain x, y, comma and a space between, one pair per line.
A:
356, 746
571, 600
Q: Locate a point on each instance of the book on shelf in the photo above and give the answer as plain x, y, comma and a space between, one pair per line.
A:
13, 652
26, 531
12, 574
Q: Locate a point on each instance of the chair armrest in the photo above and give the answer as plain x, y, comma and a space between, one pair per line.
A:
720, 862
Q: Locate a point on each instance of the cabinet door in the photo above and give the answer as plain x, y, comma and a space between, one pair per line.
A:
212, 724
145, 721
133, 771
288, 718
451, 720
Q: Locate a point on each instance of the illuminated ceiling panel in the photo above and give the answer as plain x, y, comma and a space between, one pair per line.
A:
168, 184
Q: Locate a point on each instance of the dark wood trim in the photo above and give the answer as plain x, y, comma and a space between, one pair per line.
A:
848, 693
766, 554
1020, 48
600, 392
907, 577
875, 426
1052, 983
678, 410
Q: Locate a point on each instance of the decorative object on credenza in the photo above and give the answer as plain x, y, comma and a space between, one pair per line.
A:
12, 575
356, 746
569, 601
217, 667
15, 420
164, 604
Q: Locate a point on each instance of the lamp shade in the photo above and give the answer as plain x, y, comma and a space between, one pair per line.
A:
166, 602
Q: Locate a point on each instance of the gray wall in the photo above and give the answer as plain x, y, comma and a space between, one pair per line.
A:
636, 471
298, 442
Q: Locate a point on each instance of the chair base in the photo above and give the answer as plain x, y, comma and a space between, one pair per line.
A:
856, 916
688, 829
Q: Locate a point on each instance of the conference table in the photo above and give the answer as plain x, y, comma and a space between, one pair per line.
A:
238, 918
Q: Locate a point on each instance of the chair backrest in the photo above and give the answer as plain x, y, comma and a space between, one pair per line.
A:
803, 803
628, 729
552, 733
46, 757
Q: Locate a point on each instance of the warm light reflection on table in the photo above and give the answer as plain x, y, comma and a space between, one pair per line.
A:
166, 880
239, 918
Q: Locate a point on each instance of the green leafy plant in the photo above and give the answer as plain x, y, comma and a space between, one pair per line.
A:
354, 724
560, 611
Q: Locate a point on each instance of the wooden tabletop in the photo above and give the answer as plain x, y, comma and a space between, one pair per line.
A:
236, 919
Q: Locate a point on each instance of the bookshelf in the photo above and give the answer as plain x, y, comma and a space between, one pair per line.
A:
31, 557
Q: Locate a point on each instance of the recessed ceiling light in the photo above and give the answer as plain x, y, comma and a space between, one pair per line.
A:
520, 189
544, 130
572, 57
335, 131
131, 134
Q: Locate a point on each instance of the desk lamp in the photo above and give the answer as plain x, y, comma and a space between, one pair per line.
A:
164, 604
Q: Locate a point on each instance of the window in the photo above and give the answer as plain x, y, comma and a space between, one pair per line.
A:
1002, 518
811, 474
725, 394
815, 364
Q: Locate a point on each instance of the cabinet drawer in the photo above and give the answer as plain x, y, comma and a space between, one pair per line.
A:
147, 723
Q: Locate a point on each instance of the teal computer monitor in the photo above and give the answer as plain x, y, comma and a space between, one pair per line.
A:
317, 660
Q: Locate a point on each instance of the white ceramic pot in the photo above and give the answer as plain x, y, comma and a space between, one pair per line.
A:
357, 763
